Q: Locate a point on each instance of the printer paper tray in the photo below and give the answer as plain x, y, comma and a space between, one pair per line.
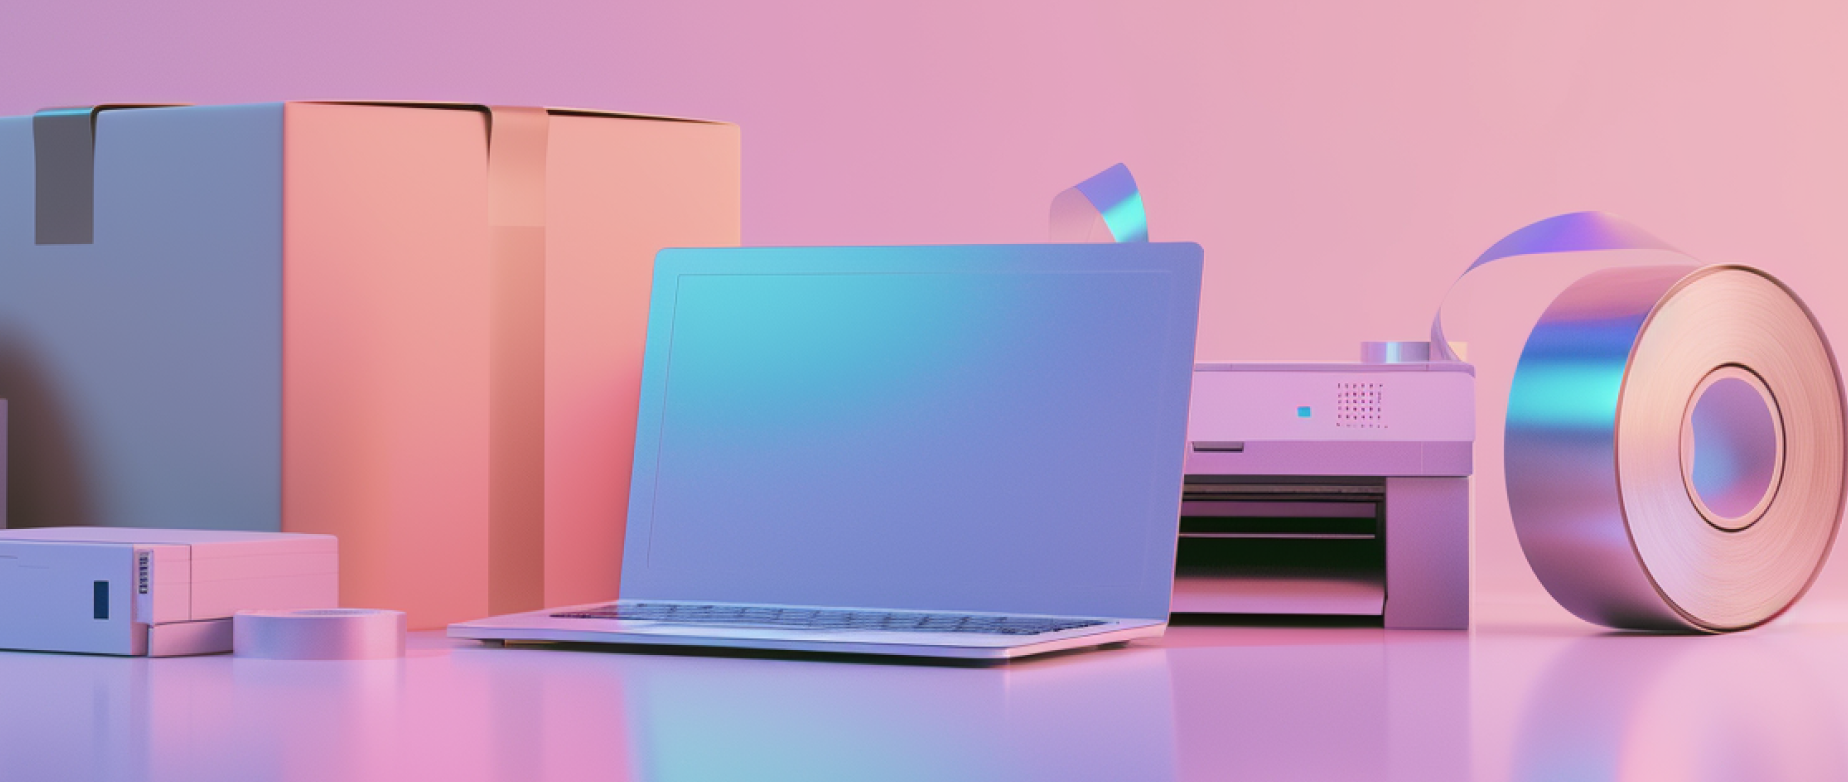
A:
1303, 592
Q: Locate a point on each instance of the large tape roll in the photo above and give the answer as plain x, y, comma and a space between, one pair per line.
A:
1674, 449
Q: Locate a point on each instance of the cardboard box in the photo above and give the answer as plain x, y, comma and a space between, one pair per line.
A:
416, 327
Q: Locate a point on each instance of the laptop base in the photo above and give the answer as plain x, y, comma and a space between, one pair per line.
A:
543, 626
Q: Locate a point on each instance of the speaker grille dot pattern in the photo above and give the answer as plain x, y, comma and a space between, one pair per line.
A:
1360, 406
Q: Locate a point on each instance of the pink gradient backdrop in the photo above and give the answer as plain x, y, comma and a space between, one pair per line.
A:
1339, 162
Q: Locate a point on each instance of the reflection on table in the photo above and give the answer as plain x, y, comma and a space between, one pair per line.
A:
1513, 700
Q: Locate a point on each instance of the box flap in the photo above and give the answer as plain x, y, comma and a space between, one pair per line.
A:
556, 111
64, 159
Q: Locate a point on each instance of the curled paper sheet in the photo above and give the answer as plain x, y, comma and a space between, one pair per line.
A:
1575, 232
1674, 447
1104, 208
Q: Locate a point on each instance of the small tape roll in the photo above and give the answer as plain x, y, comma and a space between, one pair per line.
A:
1674, 448
318, 634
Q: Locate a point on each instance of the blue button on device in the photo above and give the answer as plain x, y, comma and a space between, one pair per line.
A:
1302, 412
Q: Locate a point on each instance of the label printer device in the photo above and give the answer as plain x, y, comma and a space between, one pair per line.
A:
153, 592
1330, 488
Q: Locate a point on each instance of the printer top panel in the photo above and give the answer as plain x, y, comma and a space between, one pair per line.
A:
205, 543
1335, 366
1360, 404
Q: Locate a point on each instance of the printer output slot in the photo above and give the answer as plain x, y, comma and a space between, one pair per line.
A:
1281, 528
1288, 488
1308, 520
1281, 546
1282, 535
1280, 576
1341, 559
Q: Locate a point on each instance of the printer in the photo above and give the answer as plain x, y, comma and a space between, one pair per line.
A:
153, 592
1330, 488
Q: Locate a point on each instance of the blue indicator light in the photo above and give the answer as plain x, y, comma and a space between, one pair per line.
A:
1302, 412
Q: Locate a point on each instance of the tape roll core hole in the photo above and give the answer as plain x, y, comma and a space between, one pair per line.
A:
1732, 448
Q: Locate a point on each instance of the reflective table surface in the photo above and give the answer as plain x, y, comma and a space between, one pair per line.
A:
1519, 697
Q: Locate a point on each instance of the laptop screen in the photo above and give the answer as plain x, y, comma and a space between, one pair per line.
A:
992, 428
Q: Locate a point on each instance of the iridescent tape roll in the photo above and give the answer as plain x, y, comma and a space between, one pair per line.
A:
318, 634
1674, 449
1105, 208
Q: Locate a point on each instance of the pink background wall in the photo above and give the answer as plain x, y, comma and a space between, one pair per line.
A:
1340, 162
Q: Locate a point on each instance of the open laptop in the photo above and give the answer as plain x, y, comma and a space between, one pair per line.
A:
958, 451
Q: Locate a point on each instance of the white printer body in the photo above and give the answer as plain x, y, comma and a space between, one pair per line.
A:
152, 592
1336, 488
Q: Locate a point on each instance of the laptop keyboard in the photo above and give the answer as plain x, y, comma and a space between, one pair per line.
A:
829, 619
